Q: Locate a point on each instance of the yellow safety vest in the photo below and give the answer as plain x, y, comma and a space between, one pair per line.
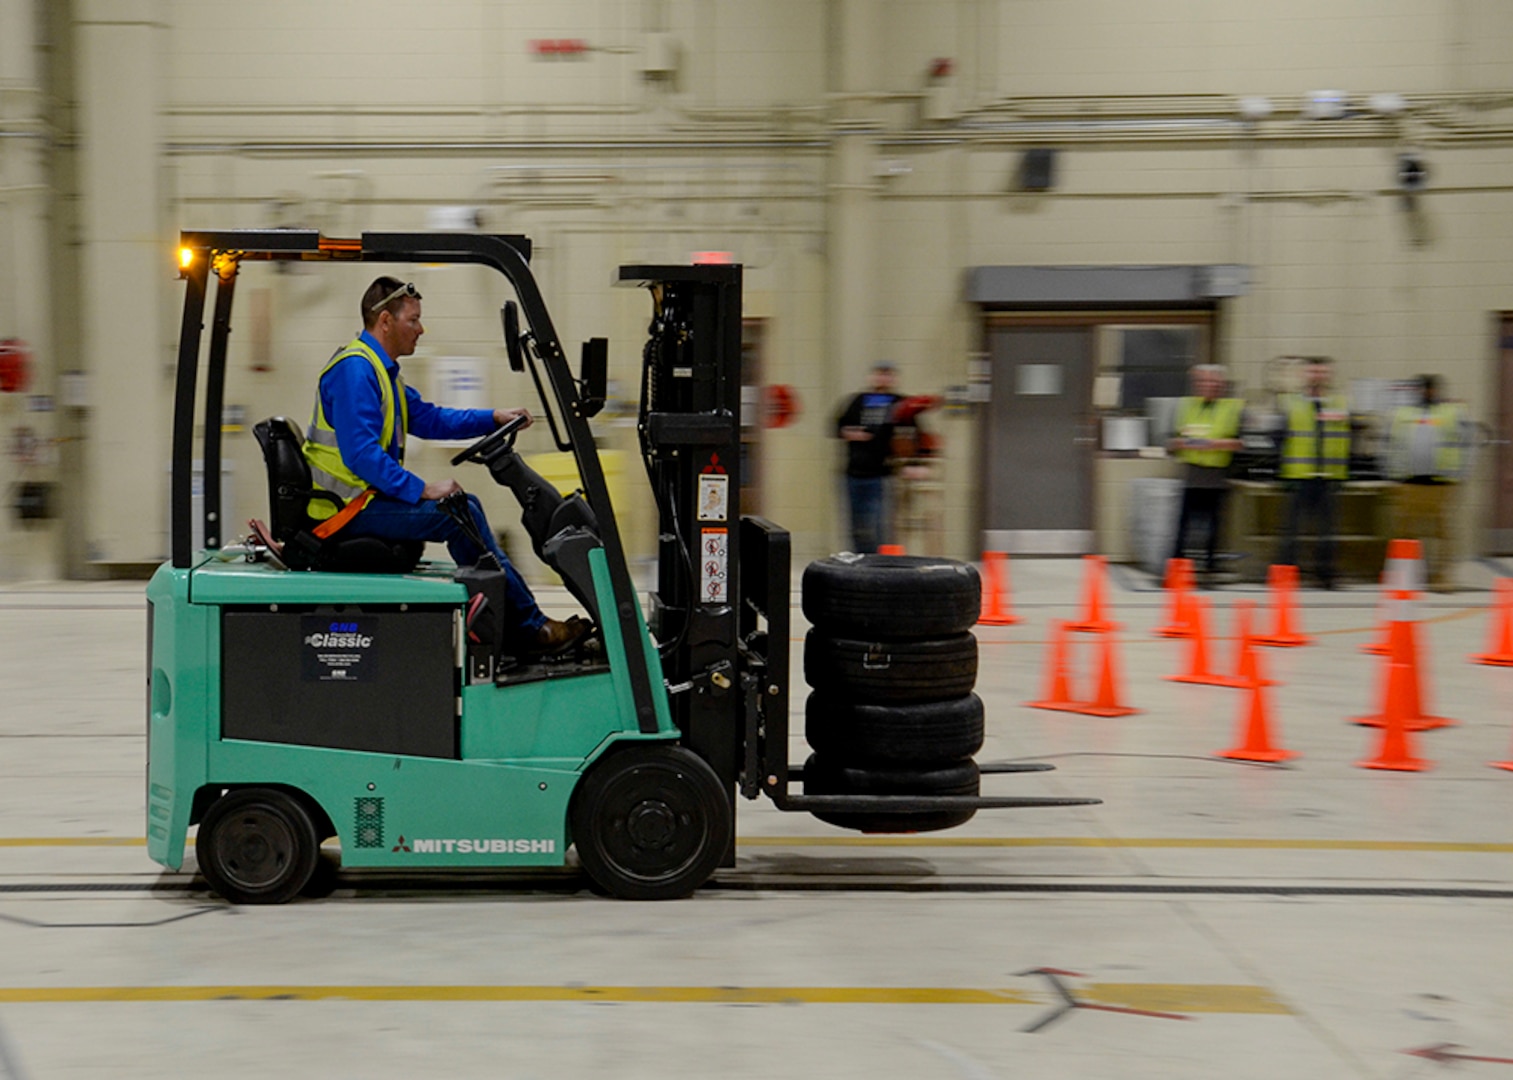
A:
1446, 419
328, 472
1300, 457
1200, 419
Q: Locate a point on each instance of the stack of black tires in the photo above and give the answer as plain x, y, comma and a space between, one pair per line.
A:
892, 663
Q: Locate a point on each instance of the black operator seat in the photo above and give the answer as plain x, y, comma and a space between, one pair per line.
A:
289, 495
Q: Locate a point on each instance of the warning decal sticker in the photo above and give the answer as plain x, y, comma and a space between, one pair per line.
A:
714, 577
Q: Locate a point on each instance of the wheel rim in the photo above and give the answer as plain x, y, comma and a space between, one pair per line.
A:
255, 849
653, 823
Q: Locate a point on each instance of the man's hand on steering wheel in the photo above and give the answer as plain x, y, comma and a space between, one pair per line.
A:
504, 416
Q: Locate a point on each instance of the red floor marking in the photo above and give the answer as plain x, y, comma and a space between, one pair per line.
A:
1070, 1001
1444, 1054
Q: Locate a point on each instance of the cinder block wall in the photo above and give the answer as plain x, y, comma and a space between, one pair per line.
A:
809, 139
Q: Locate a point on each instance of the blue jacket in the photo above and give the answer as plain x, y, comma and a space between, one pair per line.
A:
350, 395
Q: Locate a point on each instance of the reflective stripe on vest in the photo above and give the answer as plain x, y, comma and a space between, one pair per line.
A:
1300, 459
328, 472
1219, 419
1446, 420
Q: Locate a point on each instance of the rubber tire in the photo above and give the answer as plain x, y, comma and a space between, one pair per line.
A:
257, 846
324, 879
929, 734
895, 597
651, 822
823, 777
891, 672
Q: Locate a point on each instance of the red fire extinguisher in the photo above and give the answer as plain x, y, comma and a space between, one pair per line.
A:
15, 366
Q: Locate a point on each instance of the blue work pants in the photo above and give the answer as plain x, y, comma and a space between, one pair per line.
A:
392, 519
1315, 498
867, 495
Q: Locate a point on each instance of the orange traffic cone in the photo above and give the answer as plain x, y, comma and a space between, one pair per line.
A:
1418, 681
890, 549
1402, 576
1500, 639
1255, 726
1197, 653
1179, 584
995, 572
1245, 648
1508, 765
1396, 749
1283, 581
1414, 715
1094, 619
1106, 702
1058, 692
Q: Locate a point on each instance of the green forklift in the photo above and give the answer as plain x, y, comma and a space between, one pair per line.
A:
314, 688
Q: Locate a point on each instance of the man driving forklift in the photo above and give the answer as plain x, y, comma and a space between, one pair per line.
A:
355, 446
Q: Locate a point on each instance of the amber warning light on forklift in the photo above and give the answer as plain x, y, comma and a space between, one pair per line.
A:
186, 257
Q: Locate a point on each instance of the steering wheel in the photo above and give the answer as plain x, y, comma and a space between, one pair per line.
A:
504, 435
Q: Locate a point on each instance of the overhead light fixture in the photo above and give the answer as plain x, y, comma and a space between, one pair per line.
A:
1388, 104
1254, 108
1325, 105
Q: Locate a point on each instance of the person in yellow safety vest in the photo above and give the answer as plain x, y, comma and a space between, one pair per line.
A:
1428, 454
1207, 435
1315, 461
355, 446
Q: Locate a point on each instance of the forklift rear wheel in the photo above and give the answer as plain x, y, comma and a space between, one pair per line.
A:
257, 846
891, 596
651, 822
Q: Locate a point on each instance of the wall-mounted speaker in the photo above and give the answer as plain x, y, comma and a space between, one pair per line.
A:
1037, 169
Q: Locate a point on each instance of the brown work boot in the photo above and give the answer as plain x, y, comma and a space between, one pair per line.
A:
555, 636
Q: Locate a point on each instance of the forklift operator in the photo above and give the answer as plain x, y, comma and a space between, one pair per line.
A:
356, 443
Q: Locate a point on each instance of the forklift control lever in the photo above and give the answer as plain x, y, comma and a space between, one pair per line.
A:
455, 506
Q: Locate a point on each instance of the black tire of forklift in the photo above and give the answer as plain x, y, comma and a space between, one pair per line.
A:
932, 733
257, 846
897, 597
823, 777
650, 822
891, 672
324, 879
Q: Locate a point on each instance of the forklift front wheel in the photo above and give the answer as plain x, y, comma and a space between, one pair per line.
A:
651, 822
257, 846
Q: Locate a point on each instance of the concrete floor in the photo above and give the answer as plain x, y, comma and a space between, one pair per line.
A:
1222, 919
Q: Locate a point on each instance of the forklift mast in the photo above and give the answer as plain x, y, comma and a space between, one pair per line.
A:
689, 425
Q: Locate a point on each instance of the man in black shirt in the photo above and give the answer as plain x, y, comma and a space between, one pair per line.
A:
866, 425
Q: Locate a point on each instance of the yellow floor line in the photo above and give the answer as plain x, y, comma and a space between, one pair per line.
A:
1164, 997
1215, 843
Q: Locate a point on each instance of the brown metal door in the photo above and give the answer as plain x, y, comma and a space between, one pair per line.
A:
1501, 538
1040, 441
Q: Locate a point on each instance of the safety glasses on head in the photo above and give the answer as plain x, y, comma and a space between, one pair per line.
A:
407, 289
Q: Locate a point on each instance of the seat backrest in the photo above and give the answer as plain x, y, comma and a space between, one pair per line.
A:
288, 475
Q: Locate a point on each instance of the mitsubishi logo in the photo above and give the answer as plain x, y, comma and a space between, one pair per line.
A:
401, 846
